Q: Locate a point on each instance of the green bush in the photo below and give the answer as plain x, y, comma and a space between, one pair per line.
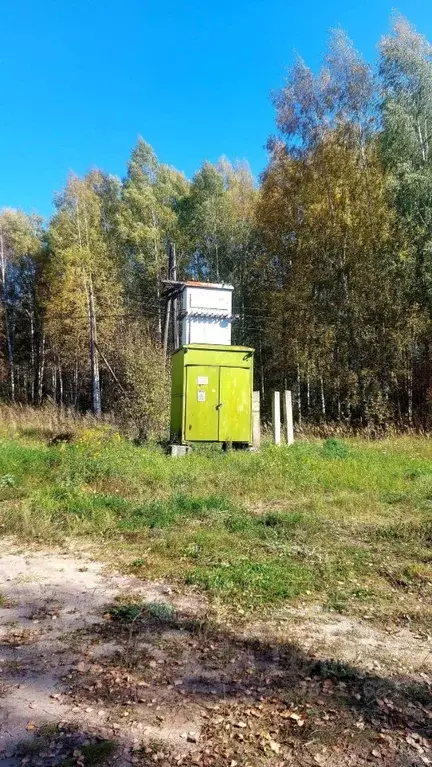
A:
335, 448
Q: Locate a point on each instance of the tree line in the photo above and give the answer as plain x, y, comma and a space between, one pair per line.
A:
330, 256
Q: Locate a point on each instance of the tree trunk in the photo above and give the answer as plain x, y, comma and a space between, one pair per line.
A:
75, 399
299, 406
159, 311
60, 378
41, 370
54, 382
8, 335
171, 272
410, 396
158, 279
261, 364
94, 357
32, 359
323, 402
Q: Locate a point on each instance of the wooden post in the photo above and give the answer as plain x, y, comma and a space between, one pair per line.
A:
288, 418
276, 413
256, 420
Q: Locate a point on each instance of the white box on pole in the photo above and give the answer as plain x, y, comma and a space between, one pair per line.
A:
206, 313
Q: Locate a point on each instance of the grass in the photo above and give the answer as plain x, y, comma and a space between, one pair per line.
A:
98, 753
128, 611
345, 522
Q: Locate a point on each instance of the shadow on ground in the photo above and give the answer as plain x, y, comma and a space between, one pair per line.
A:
149, 682
256, 703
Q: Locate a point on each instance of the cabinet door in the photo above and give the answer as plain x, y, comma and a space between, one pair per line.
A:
235, 405
202, 399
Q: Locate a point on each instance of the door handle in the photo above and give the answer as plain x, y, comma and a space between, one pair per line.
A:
218, 407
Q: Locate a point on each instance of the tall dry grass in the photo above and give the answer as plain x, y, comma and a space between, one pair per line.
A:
45, 422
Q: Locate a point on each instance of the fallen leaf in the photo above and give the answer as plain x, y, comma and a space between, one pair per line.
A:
274, 746
297, 718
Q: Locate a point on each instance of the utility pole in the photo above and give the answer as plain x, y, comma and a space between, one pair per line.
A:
166, 327
172, 275
175, 301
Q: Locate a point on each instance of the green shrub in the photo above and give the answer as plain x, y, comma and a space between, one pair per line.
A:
335, 448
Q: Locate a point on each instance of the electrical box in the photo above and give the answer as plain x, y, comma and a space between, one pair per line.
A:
206, 313
211, 399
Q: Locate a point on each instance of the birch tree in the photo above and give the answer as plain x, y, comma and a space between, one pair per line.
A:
20, 245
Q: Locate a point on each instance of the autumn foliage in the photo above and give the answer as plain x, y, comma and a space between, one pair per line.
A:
330, 257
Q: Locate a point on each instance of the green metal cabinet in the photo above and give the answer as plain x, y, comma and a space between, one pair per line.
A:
211, 398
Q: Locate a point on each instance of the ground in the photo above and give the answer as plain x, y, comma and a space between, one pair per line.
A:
99, 667
219, 610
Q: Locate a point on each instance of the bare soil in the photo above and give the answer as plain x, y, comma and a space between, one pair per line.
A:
304, 687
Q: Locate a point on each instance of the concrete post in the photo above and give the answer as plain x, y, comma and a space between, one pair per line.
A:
276, 417
288, 418
256, 420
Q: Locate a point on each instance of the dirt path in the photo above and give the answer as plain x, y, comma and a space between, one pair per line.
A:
72, 677
49, 598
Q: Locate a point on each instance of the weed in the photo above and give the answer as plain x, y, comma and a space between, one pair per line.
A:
335, 448
98, 753
48, 729
337, 602
7, 480
162, 611
127, 612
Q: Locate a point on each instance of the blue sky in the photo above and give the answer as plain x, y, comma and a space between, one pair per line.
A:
81, 79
